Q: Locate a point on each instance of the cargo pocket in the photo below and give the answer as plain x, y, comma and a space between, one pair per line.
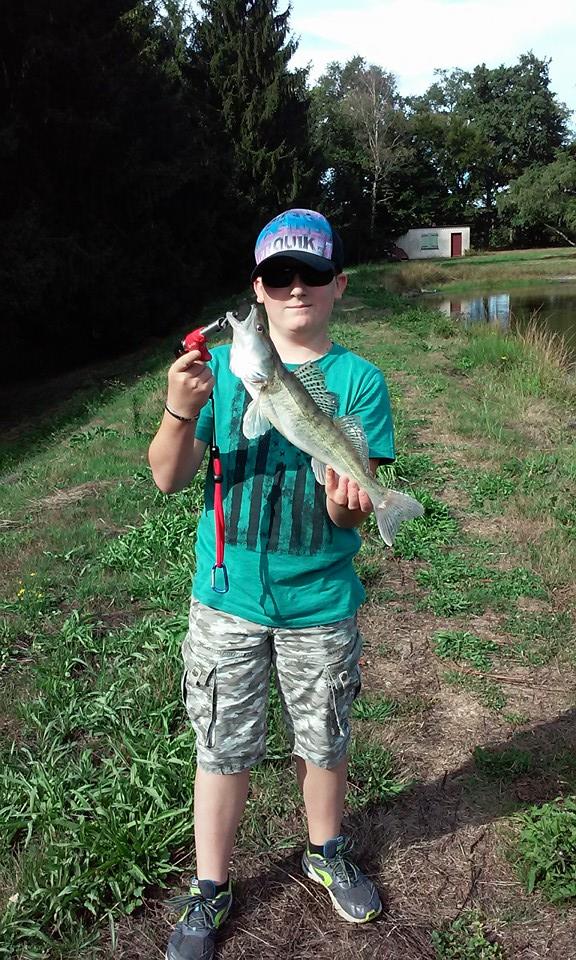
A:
343, 682
199, 694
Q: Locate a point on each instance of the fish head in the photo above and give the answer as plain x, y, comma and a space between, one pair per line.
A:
252, 353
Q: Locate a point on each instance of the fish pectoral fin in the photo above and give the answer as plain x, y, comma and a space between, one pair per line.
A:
319, 470
254, 424
351, 425
392, 511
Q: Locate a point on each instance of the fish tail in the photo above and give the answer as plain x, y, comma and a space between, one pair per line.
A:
392, 511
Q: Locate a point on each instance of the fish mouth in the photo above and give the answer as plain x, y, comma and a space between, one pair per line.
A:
238, 323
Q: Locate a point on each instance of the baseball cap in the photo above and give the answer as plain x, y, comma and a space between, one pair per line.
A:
304, 235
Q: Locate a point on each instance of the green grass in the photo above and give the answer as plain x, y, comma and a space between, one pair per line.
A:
461, 645
465, 939
96, 756
372, 775
503, 765
495, 270
545, 851
375, 708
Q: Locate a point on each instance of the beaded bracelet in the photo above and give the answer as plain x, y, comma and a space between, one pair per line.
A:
178, 417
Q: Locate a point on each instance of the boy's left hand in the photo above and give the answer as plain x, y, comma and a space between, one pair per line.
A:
346, 492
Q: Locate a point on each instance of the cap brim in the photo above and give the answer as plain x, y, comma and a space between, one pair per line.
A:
302, 256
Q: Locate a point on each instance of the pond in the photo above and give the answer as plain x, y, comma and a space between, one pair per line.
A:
553, 304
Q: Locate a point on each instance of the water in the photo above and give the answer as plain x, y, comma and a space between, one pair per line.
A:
554, 305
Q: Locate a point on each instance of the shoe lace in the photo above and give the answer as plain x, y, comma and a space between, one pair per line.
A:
204, 911
345, 870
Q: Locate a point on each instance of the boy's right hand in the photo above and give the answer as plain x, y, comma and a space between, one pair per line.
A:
190, 384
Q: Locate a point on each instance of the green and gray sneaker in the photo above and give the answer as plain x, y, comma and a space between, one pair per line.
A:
205, 911
354, 896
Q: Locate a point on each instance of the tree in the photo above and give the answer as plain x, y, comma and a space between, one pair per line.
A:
257, 111
483, 128
361, 133
544, 197
93, 151
372, 103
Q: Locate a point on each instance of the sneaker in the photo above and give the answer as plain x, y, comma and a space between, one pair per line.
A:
194, 936
354, 896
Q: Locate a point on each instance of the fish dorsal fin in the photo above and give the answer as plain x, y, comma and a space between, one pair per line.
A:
352, 427
314, 382
254, 424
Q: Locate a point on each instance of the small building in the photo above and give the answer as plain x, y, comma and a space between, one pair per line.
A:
422, 243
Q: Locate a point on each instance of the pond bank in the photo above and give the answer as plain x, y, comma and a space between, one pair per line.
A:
491, 269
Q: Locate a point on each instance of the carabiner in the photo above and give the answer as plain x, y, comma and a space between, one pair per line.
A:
224, 588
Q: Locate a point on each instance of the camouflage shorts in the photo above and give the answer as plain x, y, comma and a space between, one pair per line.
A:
227, 664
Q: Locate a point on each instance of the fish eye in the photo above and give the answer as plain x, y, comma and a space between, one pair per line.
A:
259, 328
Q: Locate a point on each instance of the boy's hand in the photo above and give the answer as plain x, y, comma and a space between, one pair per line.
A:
190, 384
346, 493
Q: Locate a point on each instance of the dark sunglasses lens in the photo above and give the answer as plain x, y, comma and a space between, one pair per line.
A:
277, 275
282, 275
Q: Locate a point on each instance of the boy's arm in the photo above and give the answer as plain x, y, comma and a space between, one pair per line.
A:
175, 454
347, 504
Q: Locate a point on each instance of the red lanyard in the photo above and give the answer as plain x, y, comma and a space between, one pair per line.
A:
219, 583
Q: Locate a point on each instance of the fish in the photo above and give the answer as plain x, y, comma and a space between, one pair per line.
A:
301, 408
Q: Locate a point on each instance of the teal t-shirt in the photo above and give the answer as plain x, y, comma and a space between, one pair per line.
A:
288, 564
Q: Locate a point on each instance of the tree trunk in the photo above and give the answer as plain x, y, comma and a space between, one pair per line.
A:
373, 209
560, 234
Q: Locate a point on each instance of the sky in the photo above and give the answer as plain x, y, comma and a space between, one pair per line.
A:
410, 38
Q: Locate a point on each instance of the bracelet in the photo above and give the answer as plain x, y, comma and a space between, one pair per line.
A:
177, 415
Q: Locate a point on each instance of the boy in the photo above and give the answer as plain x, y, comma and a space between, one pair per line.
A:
293, 593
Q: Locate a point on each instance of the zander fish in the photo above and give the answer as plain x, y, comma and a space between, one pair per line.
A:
301, 409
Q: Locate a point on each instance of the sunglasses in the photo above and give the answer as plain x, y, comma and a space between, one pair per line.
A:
282, 275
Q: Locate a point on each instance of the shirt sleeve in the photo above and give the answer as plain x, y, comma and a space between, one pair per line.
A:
372, 405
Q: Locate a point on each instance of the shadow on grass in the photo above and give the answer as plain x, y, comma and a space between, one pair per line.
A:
279, 913
36, 411
468, 796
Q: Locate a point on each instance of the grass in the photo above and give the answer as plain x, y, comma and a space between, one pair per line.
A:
461, 645
376, 708
503, 764
465, 939
519, 267
545, 850
96, 758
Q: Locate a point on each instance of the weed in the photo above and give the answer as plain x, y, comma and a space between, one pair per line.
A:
409, 468
465, 939
549, 345
505, 764
375, 708
89, 434
515, 719
371, 775
421, 538
546, 849
459, 585
461, 645
493, 487
382, 594
542, 636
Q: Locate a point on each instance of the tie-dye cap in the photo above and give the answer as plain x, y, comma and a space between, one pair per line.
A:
303, 235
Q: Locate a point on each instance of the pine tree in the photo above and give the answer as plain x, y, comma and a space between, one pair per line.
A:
95, 153
258, 112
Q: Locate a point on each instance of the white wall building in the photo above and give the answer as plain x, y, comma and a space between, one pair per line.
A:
422, 243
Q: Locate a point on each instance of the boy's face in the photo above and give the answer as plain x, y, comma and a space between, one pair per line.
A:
299, 307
